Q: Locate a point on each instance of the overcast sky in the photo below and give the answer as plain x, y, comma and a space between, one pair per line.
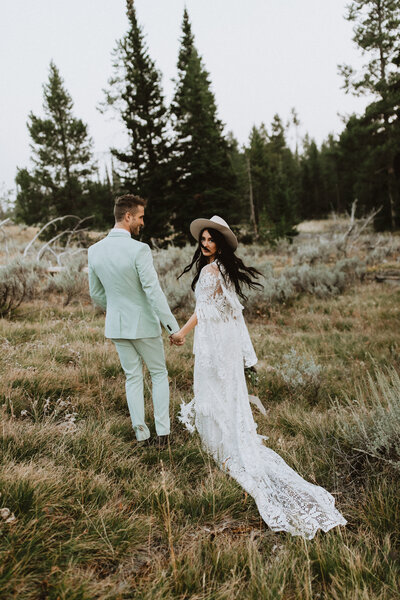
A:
263, 56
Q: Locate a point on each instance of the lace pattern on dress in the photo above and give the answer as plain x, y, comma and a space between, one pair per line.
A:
221, 413
219, 312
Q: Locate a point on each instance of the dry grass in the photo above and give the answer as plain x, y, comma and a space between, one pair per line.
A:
333, 224
97, 517
90, 506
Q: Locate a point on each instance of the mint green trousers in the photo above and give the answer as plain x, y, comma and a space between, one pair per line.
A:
132, 354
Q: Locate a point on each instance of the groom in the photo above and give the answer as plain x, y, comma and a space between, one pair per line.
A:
123, 281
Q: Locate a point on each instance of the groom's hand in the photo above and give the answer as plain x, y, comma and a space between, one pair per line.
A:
177, 339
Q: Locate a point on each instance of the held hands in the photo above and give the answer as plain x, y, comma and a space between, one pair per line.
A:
177, 339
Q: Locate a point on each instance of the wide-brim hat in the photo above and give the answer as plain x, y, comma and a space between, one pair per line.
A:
197, 226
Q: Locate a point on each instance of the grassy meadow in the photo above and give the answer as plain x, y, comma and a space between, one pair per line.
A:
86, 513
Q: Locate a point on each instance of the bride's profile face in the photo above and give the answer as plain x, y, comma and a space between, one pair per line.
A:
208, 246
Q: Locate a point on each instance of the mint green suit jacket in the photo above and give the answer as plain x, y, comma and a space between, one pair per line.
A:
123, 281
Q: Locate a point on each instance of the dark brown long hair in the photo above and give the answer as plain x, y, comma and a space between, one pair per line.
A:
234, 268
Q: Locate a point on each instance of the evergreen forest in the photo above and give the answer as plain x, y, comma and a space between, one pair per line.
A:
181, 160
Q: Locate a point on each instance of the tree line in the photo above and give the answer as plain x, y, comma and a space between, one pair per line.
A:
180, 160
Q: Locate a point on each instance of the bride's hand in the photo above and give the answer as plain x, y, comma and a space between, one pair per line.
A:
177, 338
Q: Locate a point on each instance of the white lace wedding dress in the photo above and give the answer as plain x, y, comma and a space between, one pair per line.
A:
221, 413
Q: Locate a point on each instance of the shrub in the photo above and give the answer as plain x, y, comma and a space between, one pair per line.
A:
372, 426
178, 291
381, 248
319, 280
18, 282
72, 280
172, 259
323, 281
321, 251
299, 371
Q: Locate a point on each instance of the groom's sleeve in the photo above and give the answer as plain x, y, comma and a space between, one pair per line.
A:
151, 286
96, 289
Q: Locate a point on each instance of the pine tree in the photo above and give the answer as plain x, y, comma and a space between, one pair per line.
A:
362, 178
135, 91
204, 181
6, 203
100, 202
331, 175
312, 203
62, 158
282, 209
274, 174
377, 24
258, 155
238, 160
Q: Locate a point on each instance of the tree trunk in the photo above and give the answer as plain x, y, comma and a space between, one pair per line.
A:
389, 166
252, 212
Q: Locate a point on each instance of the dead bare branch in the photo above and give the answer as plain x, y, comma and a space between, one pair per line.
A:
45, 227
352, 221
5, 221
356, 227
77, 229
368, 220
69, 253
46, 246
71, 233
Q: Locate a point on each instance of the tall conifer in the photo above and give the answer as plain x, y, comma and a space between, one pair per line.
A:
258, 156
312, 199
274, 174
204, 182
376, 32
62, 159
135, 91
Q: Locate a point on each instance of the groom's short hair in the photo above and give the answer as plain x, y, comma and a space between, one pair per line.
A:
127, 203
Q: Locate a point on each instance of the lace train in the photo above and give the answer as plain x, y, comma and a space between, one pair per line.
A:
221, 413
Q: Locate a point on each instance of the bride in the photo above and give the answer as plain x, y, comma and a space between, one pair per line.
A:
220, 410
